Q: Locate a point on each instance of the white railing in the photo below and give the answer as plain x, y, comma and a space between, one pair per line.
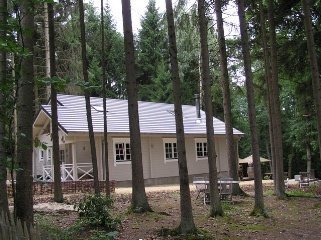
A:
69, 172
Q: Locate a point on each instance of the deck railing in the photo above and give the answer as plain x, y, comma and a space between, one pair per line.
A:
69, 172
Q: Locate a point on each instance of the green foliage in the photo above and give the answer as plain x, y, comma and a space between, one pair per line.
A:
197, 234
95, 210
314, 190
102, 235
38, 144
48, 229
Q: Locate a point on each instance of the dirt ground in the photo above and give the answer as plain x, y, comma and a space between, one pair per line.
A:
292, 218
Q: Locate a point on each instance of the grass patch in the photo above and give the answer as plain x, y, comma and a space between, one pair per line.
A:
299, 193
269, 192
49, 230
198, 234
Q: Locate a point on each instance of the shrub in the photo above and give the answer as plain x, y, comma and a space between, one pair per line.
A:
95, 210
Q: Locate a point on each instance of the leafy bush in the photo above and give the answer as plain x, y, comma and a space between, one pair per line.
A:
95, 210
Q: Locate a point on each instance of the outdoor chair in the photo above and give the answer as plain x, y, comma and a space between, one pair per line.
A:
225, 187
200, 186
305, 180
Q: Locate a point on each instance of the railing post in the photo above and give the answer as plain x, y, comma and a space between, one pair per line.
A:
74, 162
63, 173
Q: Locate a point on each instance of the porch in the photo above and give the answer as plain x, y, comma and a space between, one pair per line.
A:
69, 172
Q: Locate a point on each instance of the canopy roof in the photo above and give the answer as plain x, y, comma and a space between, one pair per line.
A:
249, 160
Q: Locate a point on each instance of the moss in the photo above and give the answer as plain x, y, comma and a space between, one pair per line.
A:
258, 212
195, 234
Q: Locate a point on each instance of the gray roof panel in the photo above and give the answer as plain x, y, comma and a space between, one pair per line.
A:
154, 118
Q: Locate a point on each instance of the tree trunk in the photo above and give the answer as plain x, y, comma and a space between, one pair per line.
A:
216, 207
314, 65
25, 117
46, 30
232, 155
276, 110
267, 72
87, 97
187, 222
103, 66
3, 79
139, 198
58, 196
259, 201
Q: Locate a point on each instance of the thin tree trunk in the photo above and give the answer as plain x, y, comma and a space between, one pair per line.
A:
139, 198
103, 66
47, 20
3, 80
314, 65
259, 201
25, 117
187, 222
290, 157
58, 196
216, 207
268, 77
232, 155
276, 109
87, 97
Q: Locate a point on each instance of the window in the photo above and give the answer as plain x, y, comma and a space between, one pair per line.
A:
170, 150
42, 155
49, 153
62, 156
201, 149
122, 151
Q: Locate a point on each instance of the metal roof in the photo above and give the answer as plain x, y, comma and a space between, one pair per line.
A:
154, 118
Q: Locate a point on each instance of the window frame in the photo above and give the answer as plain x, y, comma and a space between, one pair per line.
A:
41, 155
201, 141
123, 141
49, 153
170, 141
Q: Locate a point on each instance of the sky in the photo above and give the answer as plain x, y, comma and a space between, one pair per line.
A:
138, 9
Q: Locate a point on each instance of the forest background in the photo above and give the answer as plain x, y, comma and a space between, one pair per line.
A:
297, 107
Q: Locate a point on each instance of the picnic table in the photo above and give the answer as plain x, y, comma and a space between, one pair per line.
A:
224, 187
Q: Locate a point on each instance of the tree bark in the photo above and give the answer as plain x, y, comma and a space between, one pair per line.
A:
46, 24
267, 73
139, 198
87, 97
3, 79
25, 117
103, 66
259, 201
232, 155
187, 222
314, 65
58, 196
216, 207
276, 110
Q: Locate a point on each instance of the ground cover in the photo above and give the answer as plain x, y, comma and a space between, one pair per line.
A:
292, 218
